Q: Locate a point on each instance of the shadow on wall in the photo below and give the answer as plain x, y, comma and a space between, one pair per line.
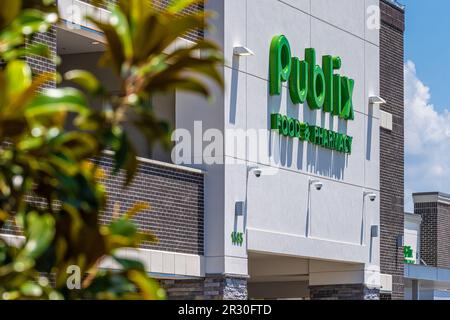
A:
234, 89
369, 133
319, 161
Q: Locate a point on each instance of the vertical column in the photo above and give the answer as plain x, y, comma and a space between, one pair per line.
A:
342, 281
392, 144
415, 289
218, 287
434, 208
344, 292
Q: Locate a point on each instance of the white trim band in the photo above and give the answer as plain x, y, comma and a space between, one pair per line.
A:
163, 164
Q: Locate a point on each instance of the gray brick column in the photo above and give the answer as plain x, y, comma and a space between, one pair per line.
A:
434, 207
392, 144
212, 287
343, 292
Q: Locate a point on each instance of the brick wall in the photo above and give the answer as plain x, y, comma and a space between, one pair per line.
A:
428, 231
344, 292
176, 199
435, 233
210, 288
392, 144
193, 36
443, 236
39, 64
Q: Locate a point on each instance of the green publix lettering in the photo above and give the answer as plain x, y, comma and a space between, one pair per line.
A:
308, 82
293, 128
320, 87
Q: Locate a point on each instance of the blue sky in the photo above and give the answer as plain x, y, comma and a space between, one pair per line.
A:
427, 97
427, 43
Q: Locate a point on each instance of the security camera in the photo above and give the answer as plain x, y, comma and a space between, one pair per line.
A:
317, 184
257, 172
372, 196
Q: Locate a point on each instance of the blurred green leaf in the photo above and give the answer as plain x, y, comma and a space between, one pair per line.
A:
85, 79
135, 209
9, 11
57, 100
30, 289
119, 21
123, 227
39, 231
114, 56
39, 4
3, 215
18, 77
148, 287
177, 6
124, 154
128, 264
38, 49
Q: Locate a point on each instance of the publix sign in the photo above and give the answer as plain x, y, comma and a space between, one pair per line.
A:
321, 87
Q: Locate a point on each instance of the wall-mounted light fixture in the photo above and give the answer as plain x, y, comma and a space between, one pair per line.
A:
239, 208
400, 241
242, 51
376, 100
375, 231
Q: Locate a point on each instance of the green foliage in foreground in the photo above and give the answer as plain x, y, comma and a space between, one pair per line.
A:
42, 160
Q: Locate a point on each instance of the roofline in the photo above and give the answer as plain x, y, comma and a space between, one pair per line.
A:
395, 4
412, 217
437, 193
436, 196
421, 272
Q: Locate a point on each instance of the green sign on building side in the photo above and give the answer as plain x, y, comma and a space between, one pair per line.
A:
321, 87
409, 255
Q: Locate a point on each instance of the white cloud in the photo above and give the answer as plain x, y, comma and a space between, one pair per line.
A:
427, 139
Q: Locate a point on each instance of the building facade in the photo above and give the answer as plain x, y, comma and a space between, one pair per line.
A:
302, 197
427, 248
